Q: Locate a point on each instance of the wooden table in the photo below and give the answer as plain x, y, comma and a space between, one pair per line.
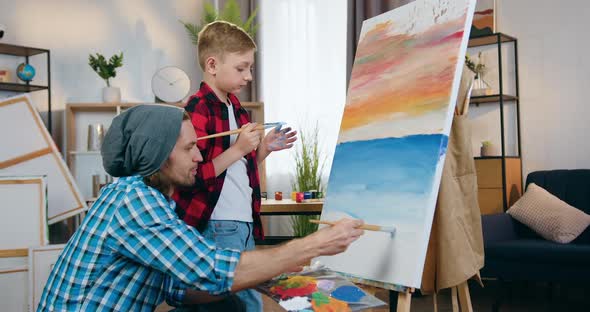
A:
290, 207
286, 207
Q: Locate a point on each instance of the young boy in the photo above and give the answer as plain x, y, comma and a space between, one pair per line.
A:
224, 204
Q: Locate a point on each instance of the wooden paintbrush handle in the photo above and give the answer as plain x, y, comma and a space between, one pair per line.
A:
220, 134
368, 227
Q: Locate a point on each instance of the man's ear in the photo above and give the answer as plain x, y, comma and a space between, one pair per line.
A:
211, 65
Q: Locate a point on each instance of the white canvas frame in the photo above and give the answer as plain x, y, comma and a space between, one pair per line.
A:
13, 283
23, 204
41, 261
36, 154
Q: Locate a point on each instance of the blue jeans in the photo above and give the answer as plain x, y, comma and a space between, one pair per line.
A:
235, 235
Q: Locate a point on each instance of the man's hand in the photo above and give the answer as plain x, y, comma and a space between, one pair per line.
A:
278, 139
335, 239
248, 139
258, 266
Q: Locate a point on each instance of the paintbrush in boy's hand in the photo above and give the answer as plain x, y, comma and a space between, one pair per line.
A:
236, 131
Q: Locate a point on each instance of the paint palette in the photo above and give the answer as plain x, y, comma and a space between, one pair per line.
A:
318, 290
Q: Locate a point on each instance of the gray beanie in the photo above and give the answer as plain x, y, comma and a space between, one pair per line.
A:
141, 139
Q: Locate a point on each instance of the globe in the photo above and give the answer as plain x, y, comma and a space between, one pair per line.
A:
25, 72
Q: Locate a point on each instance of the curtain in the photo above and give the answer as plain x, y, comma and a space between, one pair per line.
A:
302, 77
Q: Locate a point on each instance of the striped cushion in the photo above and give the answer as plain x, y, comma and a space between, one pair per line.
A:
549, 216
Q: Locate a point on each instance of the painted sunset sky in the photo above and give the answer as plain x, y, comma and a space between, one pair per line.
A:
399, 86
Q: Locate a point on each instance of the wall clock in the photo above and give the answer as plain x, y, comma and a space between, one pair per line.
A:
170, 84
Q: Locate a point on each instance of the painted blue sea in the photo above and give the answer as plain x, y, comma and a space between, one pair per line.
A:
386, 181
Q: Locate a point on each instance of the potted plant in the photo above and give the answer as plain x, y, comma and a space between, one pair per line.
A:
486, 148
107, 70
308, 176
231, 12
480, 86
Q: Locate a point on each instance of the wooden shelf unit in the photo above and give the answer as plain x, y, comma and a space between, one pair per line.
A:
76, 132
25, 87
499, 177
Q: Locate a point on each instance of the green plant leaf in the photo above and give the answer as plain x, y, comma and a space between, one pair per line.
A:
210, 14
193, 31
248, 26
308, 176
104, 69
231, 12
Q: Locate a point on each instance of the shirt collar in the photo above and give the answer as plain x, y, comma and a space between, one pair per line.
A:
206, 91
137, 181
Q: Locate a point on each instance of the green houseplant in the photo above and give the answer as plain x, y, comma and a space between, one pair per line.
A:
486, 148
229, 13
308, 176
107, 70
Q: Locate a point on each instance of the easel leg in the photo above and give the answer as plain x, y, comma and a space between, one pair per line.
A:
435, 302
400, 302
404, 301
454, 299
464, 297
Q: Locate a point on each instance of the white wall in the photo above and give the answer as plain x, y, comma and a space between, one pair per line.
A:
146, 31
554, 59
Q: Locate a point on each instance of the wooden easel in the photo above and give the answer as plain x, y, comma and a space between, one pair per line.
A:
460, 298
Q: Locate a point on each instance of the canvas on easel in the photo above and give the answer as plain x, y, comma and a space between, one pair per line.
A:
28, 149
393, 136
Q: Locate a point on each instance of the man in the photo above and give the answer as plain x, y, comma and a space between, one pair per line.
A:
132, 252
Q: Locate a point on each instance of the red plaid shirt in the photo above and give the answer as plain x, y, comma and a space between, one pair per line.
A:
209, 115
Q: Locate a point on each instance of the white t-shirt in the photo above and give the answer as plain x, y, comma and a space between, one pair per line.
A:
235, 200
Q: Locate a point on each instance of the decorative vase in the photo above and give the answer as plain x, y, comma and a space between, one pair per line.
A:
480, 87
111, 95
95, 136
486, 150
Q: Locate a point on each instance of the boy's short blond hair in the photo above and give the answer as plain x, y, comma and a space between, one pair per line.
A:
221, 37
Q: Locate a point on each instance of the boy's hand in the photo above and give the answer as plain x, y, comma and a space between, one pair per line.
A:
278, 139
248, 139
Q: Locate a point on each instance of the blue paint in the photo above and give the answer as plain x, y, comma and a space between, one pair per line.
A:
348, 293
276, 125
395, 175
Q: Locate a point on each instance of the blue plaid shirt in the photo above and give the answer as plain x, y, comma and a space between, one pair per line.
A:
131, 253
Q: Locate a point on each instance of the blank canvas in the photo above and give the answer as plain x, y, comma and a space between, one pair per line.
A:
31, 151
41, 262
23, 205
13, 283
393, 136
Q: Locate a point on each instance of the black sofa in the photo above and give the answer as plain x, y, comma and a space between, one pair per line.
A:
513, 252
